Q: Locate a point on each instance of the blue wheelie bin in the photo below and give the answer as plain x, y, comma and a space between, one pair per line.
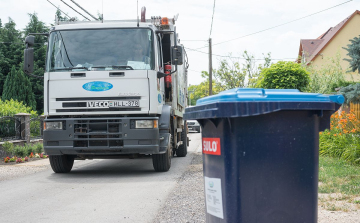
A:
260, 153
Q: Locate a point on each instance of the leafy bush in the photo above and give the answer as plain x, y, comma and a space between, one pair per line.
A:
8, 147
284, 75
39, 148
20, 151
343, 138
326, 78
30, 149
10, 108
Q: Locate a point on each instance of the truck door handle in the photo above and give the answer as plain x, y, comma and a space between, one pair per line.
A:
116, 74
78, 75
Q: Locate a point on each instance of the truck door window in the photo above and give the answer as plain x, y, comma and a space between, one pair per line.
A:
160, 60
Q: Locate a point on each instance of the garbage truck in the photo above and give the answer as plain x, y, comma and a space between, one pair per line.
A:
112, 90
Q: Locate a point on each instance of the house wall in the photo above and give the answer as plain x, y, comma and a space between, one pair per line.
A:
349, 31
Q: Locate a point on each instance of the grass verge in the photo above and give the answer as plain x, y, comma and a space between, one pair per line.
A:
339, 185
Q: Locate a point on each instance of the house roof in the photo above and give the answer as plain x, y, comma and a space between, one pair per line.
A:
313, 47
309, 46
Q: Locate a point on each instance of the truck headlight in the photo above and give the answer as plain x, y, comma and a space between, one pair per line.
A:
53, 125
146, 124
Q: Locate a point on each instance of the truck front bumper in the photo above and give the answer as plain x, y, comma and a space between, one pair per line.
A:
104, 136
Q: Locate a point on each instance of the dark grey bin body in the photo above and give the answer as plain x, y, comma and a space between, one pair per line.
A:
269, 159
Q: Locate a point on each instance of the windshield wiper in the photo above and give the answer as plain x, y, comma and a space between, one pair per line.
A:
115, 67
70, 68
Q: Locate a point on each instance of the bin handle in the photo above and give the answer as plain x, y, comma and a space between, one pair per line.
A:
337, 98
255, 92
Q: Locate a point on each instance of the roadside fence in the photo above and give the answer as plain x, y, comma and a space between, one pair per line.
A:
21, 127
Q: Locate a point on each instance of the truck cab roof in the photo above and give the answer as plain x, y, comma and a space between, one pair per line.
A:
149, 23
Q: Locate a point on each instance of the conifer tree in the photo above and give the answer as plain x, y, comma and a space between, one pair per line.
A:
354, 54
18, 87
2, 76
11, 49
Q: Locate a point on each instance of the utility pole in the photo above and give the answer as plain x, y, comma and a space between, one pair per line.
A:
210, 68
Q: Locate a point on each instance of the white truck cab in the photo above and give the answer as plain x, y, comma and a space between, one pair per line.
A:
113, 89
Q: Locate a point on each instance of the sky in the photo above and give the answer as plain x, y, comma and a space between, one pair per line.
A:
232, 19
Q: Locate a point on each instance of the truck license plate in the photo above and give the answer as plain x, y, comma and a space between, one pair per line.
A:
108, 104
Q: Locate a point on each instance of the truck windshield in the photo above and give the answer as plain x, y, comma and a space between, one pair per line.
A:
100, 49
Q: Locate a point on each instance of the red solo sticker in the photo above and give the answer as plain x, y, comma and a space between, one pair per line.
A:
211, 146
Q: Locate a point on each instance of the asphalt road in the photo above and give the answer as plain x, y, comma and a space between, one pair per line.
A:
127, 190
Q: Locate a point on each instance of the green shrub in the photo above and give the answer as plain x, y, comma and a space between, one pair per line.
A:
30, 149
20, 151
10, 108
326, 78
343, 146
284, 75
39, 148
343, 139
8, 147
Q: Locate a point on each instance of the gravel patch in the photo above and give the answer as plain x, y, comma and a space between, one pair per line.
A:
186, 202
325, 216
8, 172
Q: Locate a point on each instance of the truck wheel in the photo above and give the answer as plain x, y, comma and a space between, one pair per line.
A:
182, 149
62, 163
162, 162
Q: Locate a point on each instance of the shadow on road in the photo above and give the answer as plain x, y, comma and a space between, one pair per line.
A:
114, 171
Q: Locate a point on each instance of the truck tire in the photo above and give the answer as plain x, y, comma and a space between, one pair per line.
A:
162, 162
182, 149
62, 163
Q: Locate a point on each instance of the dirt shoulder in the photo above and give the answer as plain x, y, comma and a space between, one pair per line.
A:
8, 172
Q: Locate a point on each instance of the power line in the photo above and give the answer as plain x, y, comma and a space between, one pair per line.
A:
18, 43
236, 57
74, 10
279, 24
196, 71
59, 9
212, 19
195, 40
84, 9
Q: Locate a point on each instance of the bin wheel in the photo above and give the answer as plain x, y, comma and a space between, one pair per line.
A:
162, 162
61, 163
182, 149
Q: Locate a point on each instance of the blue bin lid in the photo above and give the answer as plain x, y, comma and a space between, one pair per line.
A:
269, 95
241, 102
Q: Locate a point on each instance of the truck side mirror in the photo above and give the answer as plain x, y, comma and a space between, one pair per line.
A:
29, 60
29, 41
177, 55
29, 55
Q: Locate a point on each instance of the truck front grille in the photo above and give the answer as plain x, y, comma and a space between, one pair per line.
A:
98, 133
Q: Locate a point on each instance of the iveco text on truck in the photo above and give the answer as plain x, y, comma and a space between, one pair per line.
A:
113, 89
